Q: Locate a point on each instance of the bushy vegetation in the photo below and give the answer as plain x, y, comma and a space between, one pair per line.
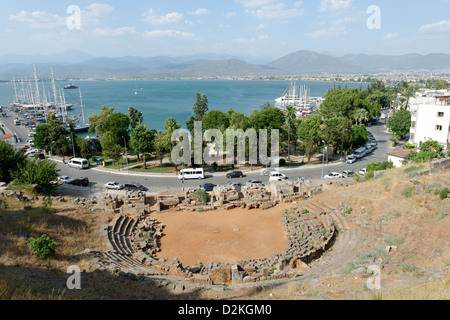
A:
41, 173
380, 166
201, 196
430, 150
43, 247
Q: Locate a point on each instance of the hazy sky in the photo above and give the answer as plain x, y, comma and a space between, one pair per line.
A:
256, 30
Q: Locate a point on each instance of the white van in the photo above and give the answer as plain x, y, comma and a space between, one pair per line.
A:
276, 176
79, 163
192, 174
360, 153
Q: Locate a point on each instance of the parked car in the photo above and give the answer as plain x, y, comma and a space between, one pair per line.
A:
235, 174
351, 159
254, 183
83, 182
277, 176
333, 175
267, 171
31, 152
208, 186
363, 172
63, 179
348, 173
40, 156
235, 184
114, 186
99, 161
133, 186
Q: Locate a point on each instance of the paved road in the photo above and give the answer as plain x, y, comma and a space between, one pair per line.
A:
99, 176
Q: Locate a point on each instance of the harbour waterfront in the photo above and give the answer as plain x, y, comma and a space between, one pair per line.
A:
159, 100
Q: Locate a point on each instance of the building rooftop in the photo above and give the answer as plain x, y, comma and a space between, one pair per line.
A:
402, 153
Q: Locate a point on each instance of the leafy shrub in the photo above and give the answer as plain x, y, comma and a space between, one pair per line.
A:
201, 196
380, 166
444, 193
407, 192
282, 162
42, 247
393, 241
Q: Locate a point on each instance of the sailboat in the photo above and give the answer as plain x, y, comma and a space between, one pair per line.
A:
81, 126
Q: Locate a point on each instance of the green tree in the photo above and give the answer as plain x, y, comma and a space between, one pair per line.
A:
119, 128
200, 109
111, 150
400, 123
100, 122
10, 160
41, 173
216, 119
142, 141
136, 117
163, 145
309, 134
360, 116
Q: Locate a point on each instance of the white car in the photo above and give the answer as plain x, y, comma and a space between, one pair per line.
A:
276, 176
31, 152
267, 171
333, 175
114, 186
63, 179
351, 159
363, 172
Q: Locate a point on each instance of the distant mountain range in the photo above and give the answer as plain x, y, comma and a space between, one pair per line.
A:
74, 64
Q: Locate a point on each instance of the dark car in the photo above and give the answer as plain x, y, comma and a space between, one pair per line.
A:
40, 156
208, 186
83, 182
235, 174
133, 186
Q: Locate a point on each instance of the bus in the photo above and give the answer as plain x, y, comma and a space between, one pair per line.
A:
192, 174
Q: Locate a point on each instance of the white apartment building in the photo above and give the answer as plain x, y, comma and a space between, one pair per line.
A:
430, 118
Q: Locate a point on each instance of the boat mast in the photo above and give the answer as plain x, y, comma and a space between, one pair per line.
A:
36, 84
55, 96
82, 108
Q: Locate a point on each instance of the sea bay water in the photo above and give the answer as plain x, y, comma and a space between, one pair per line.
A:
159, 100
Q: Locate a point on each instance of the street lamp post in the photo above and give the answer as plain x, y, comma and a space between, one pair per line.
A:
323, 159
73, 146
126, 153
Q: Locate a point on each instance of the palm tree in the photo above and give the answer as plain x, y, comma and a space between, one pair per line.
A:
290, 116
361, 115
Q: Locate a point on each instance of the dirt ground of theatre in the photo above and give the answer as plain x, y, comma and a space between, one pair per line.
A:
415, 258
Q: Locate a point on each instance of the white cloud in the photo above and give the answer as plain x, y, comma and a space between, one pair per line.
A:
438, 27
390, 36
255, 3
335, 29
106, 32
251, 40
335, 5
168, 34
39, 19
199, 12
276, 11
100, 9
170, 18
230, 15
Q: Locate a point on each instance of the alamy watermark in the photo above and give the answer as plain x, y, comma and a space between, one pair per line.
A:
374, 281
374, 20
236, 142
73, 22
74, 281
